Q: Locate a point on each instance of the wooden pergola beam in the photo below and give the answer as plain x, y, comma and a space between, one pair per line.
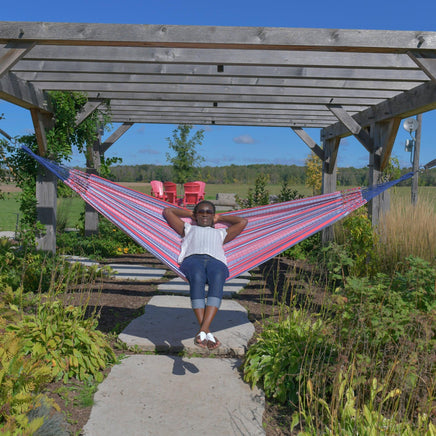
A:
352, 40
349, 122
309, 142
426, 62
406, 104
115, 136
87, 110
24, 94
12, 53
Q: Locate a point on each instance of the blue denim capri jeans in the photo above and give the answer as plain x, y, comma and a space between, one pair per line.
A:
202, 269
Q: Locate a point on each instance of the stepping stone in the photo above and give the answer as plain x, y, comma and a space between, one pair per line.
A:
136, 272
181, 287
123, 271
162, 395
169, 324
7, 234
83, 260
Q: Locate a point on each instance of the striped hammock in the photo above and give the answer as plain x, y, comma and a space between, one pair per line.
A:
271, 229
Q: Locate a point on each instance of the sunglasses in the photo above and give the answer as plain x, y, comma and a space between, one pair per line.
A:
205, 211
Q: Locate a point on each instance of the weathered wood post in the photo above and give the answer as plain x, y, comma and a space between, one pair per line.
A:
46, 185
416, 150
329, 179
93, 154
383, 137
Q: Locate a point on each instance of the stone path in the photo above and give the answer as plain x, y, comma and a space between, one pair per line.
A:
166, 394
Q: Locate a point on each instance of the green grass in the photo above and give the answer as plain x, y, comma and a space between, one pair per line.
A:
10, 207
8, 212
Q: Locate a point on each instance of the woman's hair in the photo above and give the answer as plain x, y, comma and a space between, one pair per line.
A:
204, 202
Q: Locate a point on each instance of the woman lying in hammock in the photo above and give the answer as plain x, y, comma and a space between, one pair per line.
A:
202, 260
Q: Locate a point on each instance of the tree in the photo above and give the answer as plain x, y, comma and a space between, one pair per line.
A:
186, 157
60, 142
314, 173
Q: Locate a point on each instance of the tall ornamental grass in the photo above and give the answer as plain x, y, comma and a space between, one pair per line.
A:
407, 230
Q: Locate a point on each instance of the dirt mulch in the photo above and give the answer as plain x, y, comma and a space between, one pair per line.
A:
119, 302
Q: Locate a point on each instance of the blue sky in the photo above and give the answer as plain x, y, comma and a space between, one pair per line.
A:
144, 144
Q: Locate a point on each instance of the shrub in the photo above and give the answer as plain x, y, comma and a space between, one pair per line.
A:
287, 354
345, 415
388, 326
306, 249
109, 242
61, 336
257, 197
358, 239
21, 380
379, 310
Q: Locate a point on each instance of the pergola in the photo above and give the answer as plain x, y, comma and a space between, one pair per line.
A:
345, 82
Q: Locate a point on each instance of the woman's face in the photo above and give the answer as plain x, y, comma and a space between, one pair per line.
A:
204, 215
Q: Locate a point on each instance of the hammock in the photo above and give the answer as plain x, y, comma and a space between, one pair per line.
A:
271, 229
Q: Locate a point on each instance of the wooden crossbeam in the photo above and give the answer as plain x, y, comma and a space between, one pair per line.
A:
309, 142
349, 122
12, 53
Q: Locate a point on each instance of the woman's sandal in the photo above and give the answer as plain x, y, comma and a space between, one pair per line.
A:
201, 340
212, 342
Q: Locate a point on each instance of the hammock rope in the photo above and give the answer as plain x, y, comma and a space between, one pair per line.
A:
271, 229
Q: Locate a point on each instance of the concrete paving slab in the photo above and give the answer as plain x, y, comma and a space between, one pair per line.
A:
83, 260
181, 287
7, 234
124, 271
169, 324
170, 395
136, 272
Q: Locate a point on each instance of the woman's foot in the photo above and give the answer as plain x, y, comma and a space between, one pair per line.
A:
201, 340
212, 342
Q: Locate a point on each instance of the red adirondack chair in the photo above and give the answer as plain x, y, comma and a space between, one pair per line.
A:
170, 192
192, 193
157, 189
202, 190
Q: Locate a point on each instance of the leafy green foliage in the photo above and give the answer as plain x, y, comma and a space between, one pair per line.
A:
66, 134
287, 193
34, 271
314, 173
354, 252
186, 156
343, 416
257, 197
60, 142
109, 242
380, 310
286, 354
21, 378
61, 336
306, 249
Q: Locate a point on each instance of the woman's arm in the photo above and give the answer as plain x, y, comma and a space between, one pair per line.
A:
173, 216
237, 224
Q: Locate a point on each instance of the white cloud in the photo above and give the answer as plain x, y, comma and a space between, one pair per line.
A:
148, 151
244, 139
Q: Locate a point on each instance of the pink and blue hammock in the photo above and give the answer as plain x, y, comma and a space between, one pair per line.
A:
271, 229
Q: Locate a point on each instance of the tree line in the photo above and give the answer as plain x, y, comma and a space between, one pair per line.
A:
247, 174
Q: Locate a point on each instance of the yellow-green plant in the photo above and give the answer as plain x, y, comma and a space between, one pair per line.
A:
61, 336
21, 380
314, 173
343, 415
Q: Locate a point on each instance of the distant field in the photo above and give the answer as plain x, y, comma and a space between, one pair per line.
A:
72, 207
